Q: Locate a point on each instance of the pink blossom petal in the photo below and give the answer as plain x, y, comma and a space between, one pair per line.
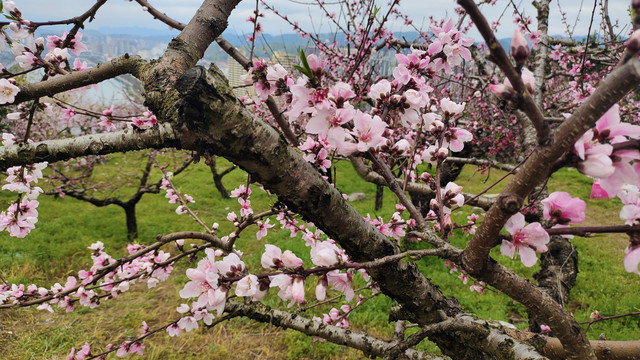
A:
631, 261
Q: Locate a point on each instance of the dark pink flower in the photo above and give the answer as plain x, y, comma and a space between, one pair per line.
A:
563, 209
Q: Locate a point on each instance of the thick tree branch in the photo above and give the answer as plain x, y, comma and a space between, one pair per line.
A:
369, 345
99, 144
161, 16
220, 125
122, 65
475, 258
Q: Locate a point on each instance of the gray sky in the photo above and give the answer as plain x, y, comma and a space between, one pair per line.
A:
129, 14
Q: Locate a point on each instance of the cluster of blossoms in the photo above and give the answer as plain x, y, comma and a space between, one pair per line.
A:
630, 213
335, 317
327, 111
102, 281
396, 227
147, 120
173, 196
560, 209
599, 157
476, 286
214, 277
21, 216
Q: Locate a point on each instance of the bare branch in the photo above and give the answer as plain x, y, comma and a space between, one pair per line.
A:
161, 16
369, 345
99, 144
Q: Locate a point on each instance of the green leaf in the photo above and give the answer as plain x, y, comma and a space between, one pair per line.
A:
375, 11
305, 68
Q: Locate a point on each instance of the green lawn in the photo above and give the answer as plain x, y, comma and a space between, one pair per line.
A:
57, 248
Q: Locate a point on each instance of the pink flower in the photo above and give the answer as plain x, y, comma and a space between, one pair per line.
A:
456, 138
241, 191
609, 126
595, 315
173, 330
188, 323
369, 131
341, 282
321, 288
380, 89
290, 260
451, 108
562, 209
204, 281
84, 353
291, 287
272, 257
631, 261
502, 91
231, 265
525, 240
250, 286
597, 192
262, 231
545, 329
315, 64
596, 157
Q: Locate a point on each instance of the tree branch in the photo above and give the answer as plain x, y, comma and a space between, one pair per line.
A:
271, 101
125, 64
475, 257
367, 174
499, 56
369, 345
99, 144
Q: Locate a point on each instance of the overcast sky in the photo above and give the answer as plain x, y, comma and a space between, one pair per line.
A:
118, 13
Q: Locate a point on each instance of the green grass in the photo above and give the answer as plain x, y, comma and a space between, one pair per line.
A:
57, 248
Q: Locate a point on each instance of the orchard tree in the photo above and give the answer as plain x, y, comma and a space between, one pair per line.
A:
335, 105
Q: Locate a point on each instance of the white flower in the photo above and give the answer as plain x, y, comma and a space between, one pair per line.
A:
8, 91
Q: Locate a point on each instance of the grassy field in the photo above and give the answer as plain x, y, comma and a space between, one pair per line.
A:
57, 248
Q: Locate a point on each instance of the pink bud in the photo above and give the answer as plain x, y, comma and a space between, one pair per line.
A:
502, 91
519, 47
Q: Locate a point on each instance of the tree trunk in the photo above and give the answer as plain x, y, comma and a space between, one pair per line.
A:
379, 194
132, 224
217, 178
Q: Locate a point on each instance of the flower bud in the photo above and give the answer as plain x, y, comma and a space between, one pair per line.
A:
633, 44
502, 91
519, 48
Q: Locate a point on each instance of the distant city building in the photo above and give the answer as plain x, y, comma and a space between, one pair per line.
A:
235, 74
285, 59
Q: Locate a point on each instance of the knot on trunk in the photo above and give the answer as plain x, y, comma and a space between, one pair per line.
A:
510, 204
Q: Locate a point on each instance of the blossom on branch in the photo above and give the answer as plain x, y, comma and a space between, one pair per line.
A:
526, 241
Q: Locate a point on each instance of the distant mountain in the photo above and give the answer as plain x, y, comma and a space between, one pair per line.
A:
134, 31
